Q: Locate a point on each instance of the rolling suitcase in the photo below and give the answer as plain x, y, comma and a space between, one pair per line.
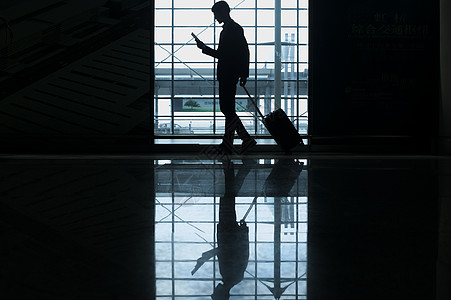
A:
280, 127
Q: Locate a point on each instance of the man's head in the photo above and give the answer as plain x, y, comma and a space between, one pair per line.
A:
221, 10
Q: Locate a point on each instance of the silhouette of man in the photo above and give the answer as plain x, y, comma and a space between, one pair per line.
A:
233, 65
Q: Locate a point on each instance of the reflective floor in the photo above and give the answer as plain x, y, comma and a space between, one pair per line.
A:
210, 227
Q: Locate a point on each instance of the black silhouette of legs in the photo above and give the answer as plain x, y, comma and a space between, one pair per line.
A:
227, 91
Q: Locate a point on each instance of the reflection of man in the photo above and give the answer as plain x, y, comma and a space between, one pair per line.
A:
233, 242
233, 238
233, 65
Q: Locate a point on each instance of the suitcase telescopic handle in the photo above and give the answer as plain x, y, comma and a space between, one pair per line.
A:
249, 210
253, 102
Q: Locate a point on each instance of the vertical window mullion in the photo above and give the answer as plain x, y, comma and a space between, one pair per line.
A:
255, 236
172, 71
214, 226
297, 237
298, 99
256, 69
214, 78
173, 233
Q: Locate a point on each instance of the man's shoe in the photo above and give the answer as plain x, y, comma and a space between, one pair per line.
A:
247, 145
227, 148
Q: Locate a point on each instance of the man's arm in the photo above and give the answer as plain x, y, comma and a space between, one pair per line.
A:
209, 51
243, 50
205, 49
204, 258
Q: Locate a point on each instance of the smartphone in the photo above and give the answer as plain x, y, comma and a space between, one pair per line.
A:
194, 36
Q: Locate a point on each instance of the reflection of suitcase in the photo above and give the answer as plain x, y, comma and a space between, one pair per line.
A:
289, 170
280, 127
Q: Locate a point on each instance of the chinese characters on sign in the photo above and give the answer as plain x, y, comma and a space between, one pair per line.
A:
385, 25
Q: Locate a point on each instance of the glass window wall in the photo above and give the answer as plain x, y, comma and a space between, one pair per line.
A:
186, 91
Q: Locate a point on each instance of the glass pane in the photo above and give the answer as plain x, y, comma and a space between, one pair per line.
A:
183, 34
265, 53
303, 17
303, 3
289, 18
163, 35
162, 52
163, 17
190, 53
244, 17
266, 3
163, 4
206, 4
265, 35
193, 17
303, 35
163, 107
265, 17
242, 4
249, 33
303, 55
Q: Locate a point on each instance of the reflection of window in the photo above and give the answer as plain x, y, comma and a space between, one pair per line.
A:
183, 73
187, 206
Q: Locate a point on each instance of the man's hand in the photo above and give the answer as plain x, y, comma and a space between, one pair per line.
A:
243, 81
200, 44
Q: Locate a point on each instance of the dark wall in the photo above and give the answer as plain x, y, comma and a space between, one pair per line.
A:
75, 76
374, 68
445, 68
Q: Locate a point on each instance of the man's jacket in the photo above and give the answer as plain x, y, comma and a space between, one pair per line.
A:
232, 53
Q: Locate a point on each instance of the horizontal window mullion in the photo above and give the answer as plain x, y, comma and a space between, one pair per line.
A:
244, 26
232, 9
251, 62
261, 43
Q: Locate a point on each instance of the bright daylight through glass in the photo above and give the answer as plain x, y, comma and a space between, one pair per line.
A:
186, 92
